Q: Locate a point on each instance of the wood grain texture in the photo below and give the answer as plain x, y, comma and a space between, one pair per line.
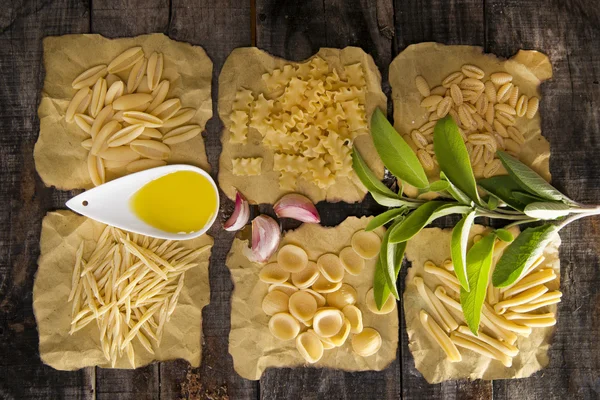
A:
569, 33
219, 27
24, 199
295, 31
129, 17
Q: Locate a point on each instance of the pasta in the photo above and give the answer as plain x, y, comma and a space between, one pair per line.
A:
247, 166
479, 106
127, 292
436, 333
308, 115
125, 115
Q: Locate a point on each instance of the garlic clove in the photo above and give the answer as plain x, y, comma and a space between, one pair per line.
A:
240, 216
265, 238
298, 207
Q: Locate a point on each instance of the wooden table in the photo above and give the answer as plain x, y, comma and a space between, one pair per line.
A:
567, 30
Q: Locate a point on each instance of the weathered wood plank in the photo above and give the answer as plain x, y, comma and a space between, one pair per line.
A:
570, 108
24, 199
117, 18
449, 22
295, 31
129, 17
219, 27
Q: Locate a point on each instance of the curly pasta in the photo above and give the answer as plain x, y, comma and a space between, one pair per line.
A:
308, 116
247, 166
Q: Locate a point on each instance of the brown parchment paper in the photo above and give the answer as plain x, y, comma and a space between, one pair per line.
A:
435, 61
62, 232
243, 69
434, 244
59, 158
251, 344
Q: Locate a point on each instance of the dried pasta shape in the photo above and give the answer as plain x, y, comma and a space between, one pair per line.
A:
438, 335
105, 115
302, 305
422, 86
323, 285
275, 302
151, 133
309, 346
367, 342
125, 135
159, 95
340, 338
181, 134
115, 91
100, 141
138, 117
346, 295
84, 122
125, 60
352, 262
284, 326
181, 117
89, 77
96, 169
151, 149
307, 277
136, 75
98, 96
167, 109
327, 322
87, 144
321, 301
292, 258
327, 343
331, 267
144, 164
366, 244
388, 306
155, 69
113, 165
130, 101
121, 153
285, 287
273, 273
76, 102
354, 316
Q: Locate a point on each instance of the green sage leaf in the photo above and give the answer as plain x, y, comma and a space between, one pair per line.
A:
387, 255
503, 187
492, 203
395, 153
384, 218
504, 235
415, 221
455, 192
479, 262
458, 248
453, 158
547, 210
439, 186
389, 201
526, 198
368, 177
528, 179
521, 253
380, 286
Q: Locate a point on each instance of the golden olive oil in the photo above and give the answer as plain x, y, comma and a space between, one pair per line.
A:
179, 202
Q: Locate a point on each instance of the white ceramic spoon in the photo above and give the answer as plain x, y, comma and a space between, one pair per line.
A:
109, 203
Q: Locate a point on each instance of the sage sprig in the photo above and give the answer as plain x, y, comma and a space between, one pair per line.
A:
521, 197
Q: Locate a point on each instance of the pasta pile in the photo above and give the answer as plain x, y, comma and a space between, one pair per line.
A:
130, 287
123, 107
486, 112
507, 313
309, 302
309, 116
